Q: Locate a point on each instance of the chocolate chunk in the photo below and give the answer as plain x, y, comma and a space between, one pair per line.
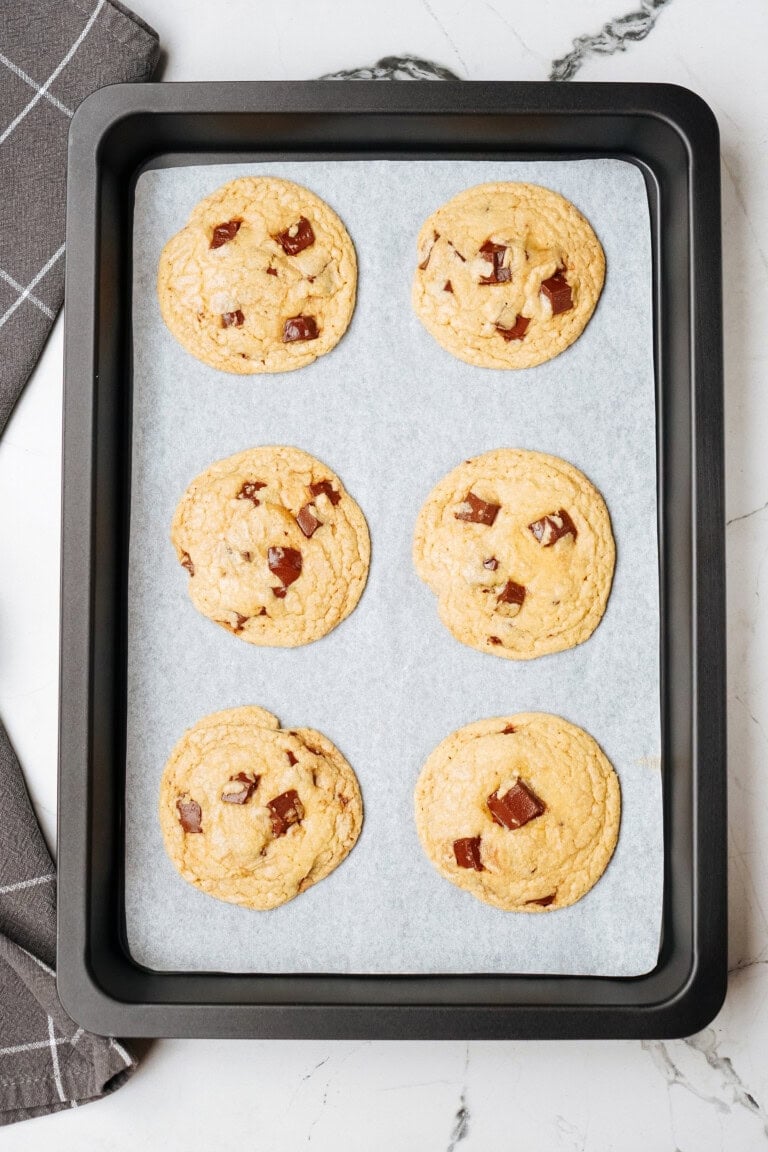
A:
550, 528
249, 490
223, 233
494, 253
325, 488
285, 810
558, 291
494, 640
285, 563
452, 245
467, 853
545, 901
296, 238
271, 271
232, 319
448, 287
190, 814
517, 331
510, 728
279, 593
307, 520
491, 563
291, 758
240, 622
516, 807
298, 328
262, 612
511, 593
425, 261
186, 562
477, 511
240, 788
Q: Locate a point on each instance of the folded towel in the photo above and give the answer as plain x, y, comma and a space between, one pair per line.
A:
53, 53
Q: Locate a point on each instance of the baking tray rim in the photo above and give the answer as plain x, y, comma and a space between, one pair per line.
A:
699, 983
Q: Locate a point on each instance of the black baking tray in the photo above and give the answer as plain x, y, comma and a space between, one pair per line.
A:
671, 135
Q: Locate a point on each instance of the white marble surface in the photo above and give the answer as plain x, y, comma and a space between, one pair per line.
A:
706, 1093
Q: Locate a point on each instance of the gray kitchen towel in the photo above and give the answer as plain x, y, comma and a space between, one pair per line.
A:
53, 53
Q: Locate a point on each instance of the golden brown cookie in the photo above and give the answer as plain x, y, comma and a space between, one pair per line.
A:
518, 548
262, 277
276, 549
521, 811
508, 275
254, 815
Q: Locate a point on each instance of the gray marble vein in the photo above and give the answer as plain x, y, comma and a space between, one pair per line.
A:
395, 68
460, 1129
615, 36
730, 1083
746, 515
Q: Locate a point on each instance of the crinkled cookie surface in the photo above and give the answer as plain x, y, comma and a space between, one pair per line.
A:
276, 550
521, 811
253, 814
518, 548
262, 278
508, 275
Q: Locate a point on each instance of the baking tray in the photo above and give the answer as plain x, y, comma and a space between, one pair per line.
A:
671, 135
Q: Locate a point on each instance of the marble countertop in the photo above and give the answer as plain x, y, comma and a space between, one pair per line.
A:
705, 1093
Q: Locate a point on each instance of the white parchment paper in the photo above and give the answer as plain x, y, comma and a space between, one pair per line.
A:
392, 412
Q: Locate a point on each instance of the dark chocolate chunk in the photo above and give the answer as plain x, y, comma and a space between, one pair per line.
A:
285, 811
552, 527
511, 593
240, 788
297, 328
232, 319
448, 287
223, 233
467, 853
190, 814
510, 728
517, 331
307, 520
296, 238
545, 901
240, 622
249, 490
558, 291
279, 593
452, 245
425, 261
325, 488
477, 511
291, 758
285, 563
494, 640
516, 807
491, 563
494, 253
271, 271
186, 562
262, 612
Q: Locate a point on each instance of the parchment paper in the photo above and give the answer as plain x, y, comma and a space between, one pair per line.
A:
392, 412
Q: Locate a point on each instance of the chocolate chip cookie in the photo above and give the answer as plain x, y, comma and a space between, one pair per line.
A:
508, 275
521, 811
518, 548
262, 277
253, 814
275, 549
